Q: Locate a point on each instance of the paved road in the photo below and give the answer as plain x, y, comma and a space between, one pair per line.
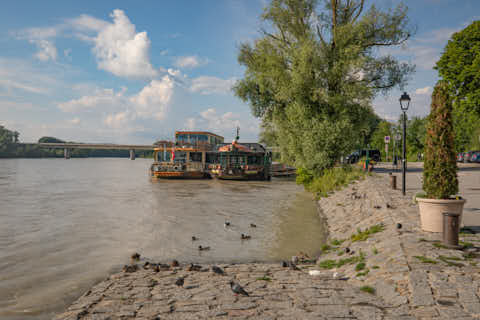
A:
469, 183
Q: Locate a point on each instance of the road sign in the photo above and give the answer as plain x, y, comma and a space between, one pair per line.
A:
387, 139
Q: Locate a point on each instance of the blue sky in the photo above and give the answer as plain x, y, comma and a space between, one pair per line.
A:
135, 71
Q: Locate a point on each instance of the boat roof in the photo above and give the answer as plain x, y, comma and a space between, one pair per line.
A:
249, 147
198, 132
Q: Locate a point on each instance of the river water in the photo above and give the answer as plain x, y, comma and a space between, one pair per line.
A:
66, 224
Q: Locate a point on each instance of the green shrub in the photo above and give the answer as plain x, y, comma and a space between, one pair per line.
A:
330, 180
440, 166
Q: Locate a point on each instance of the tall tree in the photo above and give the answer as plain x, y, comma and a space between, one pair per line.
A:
315, 70
459, 65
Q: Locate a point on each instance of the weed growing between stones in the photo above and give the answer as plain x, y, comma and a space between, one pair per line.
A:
375, 267
330, 263
425, 259
360, 266
264, 278
374, 250
465, 244
440, 245
368, 289
364, 235
448, 261
362, 274
337, 242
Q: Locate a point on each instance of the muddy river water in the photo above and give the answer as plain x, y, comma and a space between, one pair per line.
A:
66, 224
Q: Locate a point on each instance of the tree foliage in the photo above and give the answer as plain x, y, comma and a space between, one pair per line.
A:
440, 167
315, 70
459, 65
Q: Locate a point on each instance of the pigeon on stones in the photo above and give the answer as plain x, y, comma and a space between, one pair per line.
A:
194, 238
146, 265
377, 207
399, 226
293, 266
294, 259
347, 250
253, 225
136, 256
284, 264
218, 270
180, 282
130, 268
237, 289
194, 267
226, 224
245, 237
174, 263
163, 267
389, 206
200, 248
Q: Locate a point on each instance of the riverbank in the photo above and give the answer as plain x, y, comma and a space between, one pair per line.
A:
378, 265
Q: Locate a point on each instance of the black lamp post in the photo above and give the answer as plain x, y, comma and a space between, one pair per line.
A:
404, 104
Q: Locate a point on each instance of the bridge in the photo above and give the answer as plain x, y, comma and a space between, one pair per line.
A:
106, 146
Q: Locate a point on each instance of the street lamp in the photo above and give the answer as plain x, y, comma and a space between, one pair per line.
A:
404, 104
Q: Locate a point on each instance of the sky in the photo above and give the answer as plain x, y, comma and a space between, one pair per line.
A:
136, 71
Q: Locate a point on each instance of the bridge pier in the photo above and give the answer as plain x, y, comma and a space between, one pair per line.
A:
132, 154
66, 153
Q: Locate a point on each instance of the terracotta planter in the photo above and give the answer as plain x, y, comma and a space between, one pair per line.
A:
431, 212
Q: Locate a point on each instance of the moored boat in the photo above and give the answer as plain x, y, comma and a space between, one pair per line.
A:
246, 161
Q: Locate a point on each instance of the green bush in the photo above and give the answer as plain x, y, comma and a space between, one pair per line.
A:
331, 179
440, 166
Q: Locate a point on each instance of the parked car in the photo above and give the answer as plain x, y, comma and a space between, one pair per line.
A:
468, 155
373, 154
460, 157
475, 157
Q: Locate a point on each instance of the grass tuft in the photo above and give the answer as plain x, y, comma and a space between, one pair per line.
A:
426, 260
367, 289
364, 235
264, 278
360, 266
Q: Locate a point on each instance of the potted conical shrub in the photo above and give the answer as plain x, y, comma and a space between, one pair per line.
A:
440, 182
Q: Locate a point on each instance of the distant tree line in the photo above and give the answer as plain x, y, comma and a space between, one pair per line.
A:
10, 147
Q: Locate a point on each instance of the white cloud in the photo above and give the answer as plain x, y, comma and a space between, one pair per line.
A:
190, 124
74, 121
426, 90
210, 85
103, 99
88, 23
11, 84
46, 50
122, 51
118, 120
189, 62
154, 99
118, 108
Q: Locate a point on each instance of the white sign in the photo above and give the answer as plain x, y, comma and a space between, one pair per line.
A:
387, 139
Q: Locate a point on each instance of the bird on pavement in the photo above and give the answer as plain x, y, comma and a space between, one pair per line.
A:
237, 289
253, 225
200, 248
194, 267
245, 236
180, 282
194, 238
226, 224
218, 270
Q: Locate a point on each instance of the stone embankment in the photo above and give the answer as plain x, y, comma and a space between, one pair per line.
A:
378, 264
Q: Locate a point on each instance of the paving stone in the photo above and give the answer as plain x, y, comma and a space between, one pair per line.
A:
421, 293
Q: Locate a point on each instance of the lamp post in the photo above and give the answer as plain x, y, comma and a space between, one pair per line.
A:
404, 104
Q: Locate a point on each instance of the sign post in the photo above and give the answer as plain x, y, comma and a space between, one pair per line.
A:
387, 141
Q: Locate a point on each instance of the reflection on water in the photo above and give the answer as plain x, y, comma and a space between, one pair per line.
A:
65, 225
